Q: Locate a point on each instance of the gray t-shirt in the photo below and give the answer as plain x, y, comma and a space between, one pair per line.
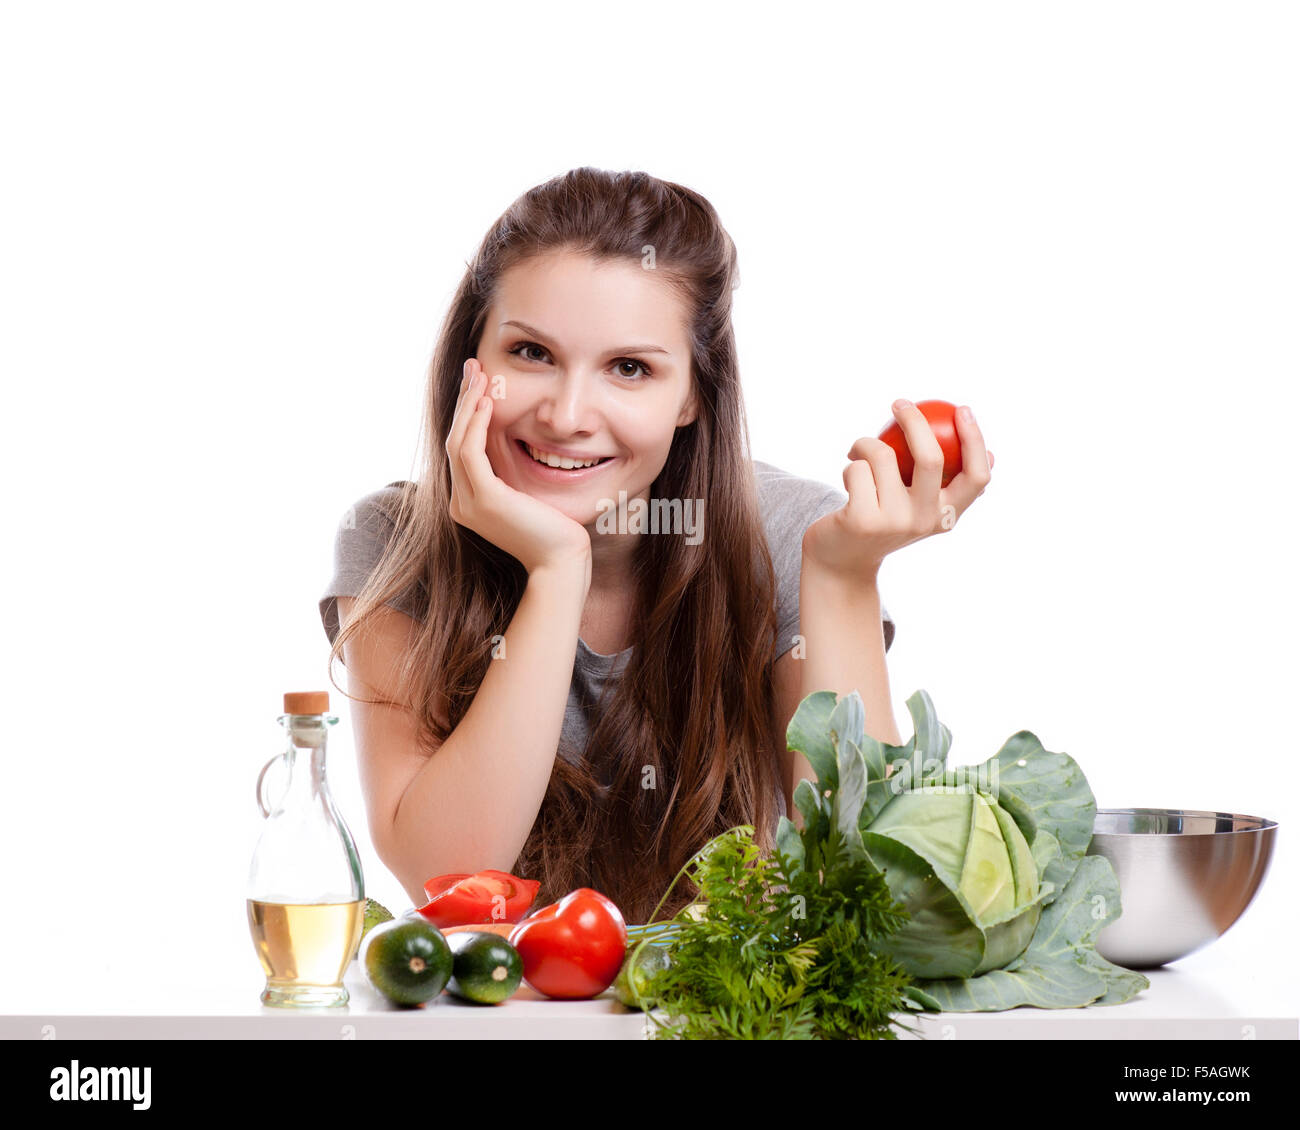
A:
788, 505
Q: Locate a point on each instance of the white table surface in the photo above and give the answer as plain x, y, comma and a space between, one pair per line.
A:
1241, 987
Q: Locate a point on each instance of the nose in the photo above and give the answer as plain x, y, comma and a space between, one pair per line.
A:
568, 405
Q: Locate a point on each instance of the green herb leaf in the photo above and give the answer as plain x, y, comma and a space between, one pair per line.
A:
778, 950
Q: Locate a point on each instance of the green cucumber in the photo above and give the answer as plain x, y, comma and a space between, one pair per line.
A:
409, 962
634, 985
486, 969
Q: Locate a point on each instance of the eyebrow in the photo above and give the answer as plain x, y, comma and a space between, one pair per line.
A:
621, 349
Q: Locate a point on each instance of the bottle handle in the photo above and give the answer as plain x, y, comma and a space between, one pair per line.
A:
266, 812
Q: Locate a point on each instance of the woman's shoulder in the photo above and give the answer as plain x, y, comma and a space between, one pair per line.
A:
364, 532
366, 528
381, 505
786, 497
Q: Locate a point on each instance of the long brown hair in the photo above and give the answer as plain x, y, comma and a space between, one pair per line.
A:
695, 699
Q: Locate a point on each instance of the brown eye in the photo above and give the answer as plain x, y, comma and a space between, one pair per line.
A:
645, 369
519, 349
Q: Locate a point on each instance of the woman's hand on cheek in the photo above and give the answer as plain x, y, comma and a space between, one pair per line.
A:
882, 515
530, 530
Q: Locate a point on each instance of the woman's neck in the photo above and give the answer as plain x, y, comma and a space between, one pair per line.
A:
611, 563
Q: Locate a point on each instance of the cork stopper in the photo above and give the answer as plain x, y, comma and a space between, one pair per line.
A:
306, 702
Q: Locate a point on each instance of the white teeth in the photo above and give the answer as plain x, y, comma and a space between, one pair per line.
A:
561, 461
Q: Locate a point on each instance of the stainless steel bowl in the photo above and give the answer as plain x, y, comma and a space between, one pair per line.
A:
1184, 878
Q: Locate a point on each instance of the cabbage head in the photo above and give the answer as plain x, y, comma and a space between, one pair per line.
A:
989, 862
962, 867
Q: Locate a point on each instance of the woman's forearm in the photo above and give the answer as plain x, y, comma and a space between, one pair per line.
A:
840, 621
473, 803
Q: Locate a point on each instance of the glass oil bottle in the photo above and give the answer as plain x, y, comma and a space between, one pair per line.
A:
305, 894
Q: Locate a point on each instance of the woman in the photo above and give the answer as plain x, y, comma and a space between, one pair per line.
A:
547, 689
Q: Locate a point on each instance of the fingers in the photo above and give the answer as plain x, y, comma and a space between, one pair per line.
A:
873, 478
976, 462
473, 450
461, 420
926, 452
927, 455
860, 480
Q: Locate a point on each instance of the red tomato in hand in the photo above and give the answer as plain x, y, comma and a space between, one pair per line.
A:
942, 418
574, 948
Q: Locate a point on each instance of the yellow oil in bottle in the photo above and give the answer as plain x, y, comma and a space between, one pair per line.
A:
305, 949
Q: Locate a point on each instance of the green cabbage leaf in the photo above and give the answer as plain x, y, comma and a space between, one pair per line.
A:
989, 861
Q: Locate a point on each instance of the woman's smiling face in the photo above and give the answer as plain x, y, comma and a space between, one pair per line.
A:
595, 363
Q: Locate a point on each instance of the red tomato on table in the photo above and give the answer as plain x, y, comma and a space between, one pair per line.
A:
574, 948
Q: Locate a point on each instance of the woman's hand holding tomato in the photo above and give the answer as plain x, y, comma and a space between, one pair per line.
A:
531, 531
884, 514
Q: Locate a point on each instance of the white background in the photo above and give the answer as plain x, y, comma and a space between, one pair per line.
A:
231, 230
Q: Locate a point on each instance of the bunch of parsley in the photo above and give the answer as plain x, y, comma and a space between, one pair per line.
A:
782, 944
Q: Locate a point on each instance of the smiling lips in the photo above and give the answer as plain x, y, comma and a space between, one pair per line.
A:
561, 462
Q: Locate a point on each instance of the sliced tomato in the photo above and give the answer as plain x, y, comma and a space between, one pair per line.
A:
435, 886
486, 896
